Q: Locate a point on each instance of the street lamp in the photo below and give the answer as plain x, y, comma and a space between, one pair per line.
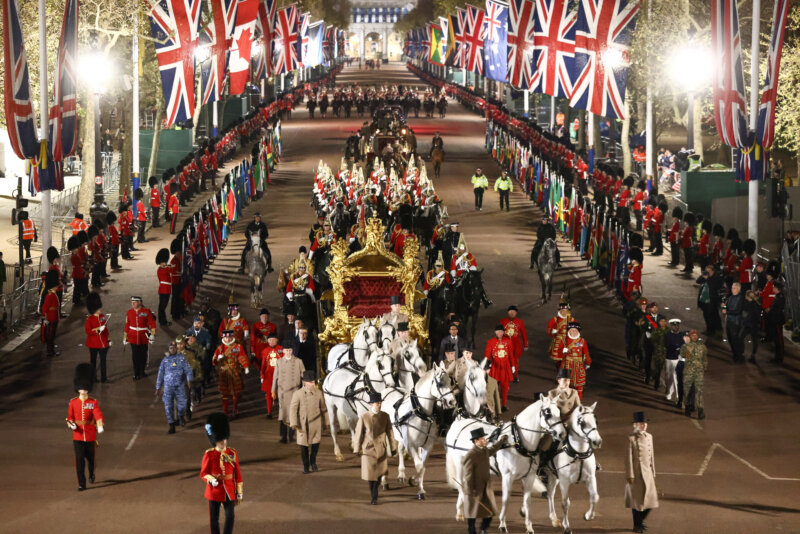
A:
691, 67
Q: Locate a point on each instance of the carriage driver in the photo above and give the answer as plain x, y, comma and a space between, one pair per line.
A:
256, 227
546, 230
567, 400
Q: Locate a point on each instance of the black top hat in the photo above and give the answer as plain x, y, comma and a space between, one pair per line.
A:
449, 347
477, 433
638, 417
402, 327
563, 373
93, 303
162, 256
217, 427
263, 311
395, 299
513, 307
309, 375
375, 397
84, 376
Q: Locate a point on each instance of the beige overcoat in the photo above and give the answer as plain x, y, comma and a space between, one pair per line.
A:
477, 482
307, 415
372, 433
493, 400
285, 381
640, 466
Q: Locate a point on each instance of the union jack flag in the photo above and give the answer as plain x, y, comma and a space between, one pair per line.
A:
602, 33
327, 44
473, 36
554, 47
20, 119
305, 20
63, 132
286, 56
424, 42
493, 19
340, 40
265, 24
730, 110
219, 33
461, 37
176, 27
765, 134
520, 43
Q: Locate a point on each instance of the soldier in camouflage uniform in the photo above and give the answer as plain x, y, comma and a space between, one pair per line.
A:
192, 351
659, 352
636, 320
174, 374
693, 371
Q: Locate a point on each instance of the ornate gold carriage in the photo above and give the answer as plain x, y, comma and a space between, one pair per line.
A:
363, 284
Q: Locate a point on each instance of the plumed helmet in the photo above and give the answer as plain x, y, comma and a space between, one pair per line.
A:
84, 377
138, 194
152, 181
718, 230
677, 213
93, 303
52, 254
636, 255
51, 280
707, 226
72, 243
111, 218
688, 218
217, 428
175, 246
83, 237
732, 234
749, 247
636, 240
162, 256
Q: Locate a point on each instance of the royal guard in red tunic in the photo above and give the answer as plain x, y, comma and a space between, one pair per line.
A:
221, 473
164, 275
634, 282
85, 420
703, 244
674, 237
462, 261
400, 241
575, 354
719, 244
229, 358
269, 357
50, 312
173, 207
81, 282
155, 200
557, 330
639, 203
499, 351
238, 324
625, 194
746, 267
515, 330
687, 241
260, 332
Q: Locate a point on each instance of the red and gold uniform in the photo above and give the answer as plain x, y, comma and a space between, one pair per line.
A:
745, 271
269, 359
515, 330
499, 352
229, 361
86, 417
239, 325
717, 250
575, 354
434, 280
222, 466
258, 337
557, 331
400, 243
461, 263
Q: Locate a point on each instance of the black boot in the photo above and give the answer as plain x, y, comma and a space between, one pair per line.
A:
688, 412
679, 404
284, 433
171, 428
701, 414
182, 420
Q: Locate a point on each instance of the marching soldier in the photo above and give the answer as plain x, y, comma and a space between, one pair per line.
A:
575, 352
636, 330
477, 481
236, 324
659, 357
307, 418
557, 330
286, 380
203, 338
173, 374
499, 350
641, 494
229, 358
85, 420
515, 330
373, 431
634, 283
695, 367
395, 316
221, 472
270, 354
194, 353
140, 330
164, 275
96, 334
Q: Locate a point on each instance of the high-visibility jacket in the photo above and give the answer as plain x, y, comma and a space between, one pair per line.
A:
78, 225
503, 184
480, 181
28, 230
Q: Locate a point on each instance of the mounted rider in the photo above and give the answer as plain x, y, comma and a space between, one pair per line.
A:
461, 262
323, 240
546, 230
256, 227
300, 283
436, 143
437, 277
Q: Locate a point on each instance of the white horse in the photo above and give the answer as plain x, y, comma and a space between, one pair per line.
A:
412, 417
515, 462
357, 353
346, 391
474, 400
387, 335
256, 262
575, 462
408, 364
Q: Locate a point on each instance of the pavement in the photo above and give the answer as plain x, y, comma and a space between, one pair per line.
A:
734, 472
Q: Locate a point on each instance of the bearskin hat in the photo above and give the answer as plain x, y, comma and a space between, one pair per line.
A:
162, 256
72, 243
51, 280
718, 230
83, 237
628, 181
707, 226
84, 377
138, 194
652, 200
736, 244
749, 247
111, 218
663, 206
636, 255
635, 240
217, 428
773, 269
677, 212
99, 224
92, 231
52, 254
688, 218
732, 234
642, 185
152, 181
93, 303
175, 246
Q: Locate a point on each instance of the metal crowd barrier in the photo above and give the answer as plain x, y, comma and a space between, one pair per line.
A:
791, 271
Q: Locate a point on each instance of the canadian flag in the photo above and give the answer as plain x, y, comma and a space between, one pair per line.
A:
241, 46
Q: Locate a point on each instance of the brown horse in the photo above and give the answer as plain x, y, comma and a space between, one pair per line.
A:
437, 157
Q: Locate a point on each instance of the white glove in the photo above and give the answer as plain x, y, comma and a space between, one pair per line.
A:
513, 369
214, 482
247, 334
554, 331
46, 322
565, 351
647, 334
102, 327
247, 370
152, 339
99, 429
220, 356
124, 341
73, 426
262, 380
587, 367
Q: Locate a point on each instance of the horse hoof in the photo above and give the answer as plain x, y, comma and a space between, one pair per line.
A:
567, 531
556, 523
588, 516
420, 496
339, 457
503, 529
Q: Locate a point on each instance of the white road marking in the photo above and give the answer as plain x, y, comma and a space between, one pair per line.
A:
133, 438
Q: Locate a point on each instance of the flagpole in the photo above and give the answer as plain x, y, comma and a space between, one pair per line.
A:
135, 180
649, 133
526, 102
44, 114
552, 113
752, 205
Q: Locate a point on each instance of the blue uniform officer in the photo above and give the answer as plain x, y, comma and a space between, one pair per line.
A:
174, 375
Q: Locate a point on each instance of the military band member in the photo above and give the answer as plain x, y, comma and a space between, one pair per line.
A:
557, 330
307, 418
140, 331
515, 330
85, 420
229, 358
641, 494
476, 482
575, 352
221, 472
498, 351
286, 380
174, 376
374, 440
395, 316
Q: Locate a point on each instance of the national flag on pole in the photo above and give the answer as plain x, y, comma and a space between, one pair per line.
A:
602, 34
313, 52
554, 47
407, 44
175, 25
424, 37
242, 45
454, 42
305, 20
765, 133
495, 42
730, 109
327, 44
219, 33
444, 22
20, 118
63, 131
286, 52
436, 54
520, 43
340, 39
265, 25
473, 36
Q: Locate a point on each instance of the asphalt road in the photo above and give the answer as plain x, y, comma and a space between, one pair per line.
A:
735, 472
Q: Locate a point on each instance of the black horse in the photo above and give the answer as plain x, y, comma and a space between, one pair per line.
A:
440, 301
469, 294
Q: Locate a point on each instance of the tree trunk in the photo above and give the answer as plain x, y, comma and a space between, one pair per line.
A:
126, 160
625, 138
151, 166
86, 192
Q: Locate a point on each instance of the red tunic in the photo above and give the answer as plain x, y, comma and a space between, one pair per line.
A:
155, 198
686, 237
674, 232
634, 281
515, 330
702, 245
767, 296
499, 353
745, 270
229, 367
638, 200
238, 325
454, 264
164, 280
575, 354
224, 466
716, 251
559, 324
137, 324
176, 266
624, 198
86, 415
50, 307
258, 337
141, 214
269, 359
94, 339
77, 259
173, 204
658, 220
